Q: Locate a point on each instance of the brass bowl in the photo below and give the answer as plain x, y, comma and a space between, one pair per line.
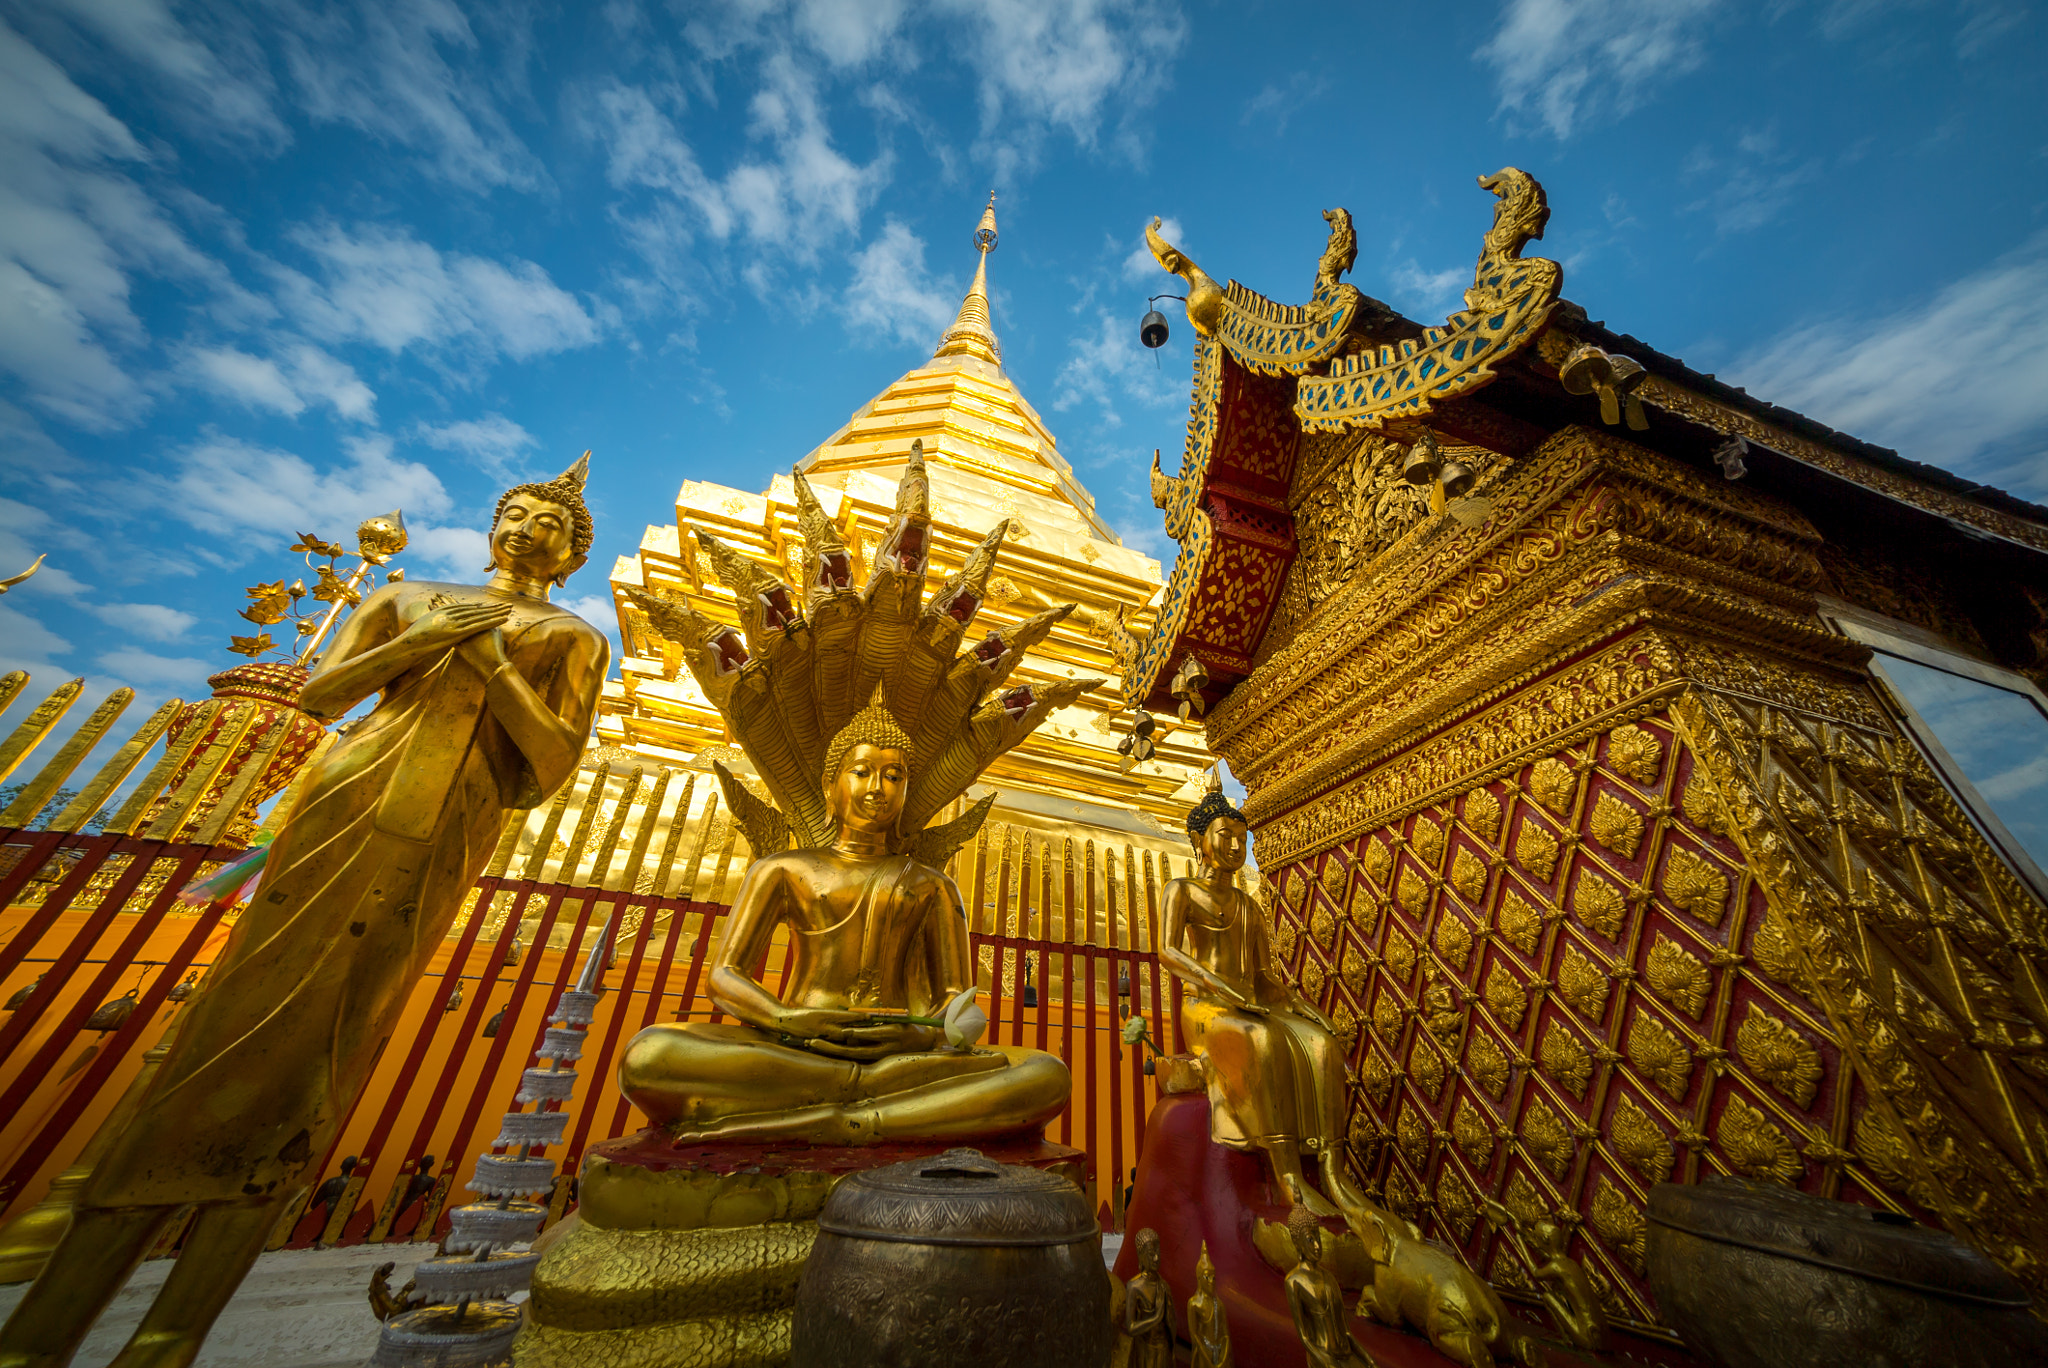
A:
1754, 1275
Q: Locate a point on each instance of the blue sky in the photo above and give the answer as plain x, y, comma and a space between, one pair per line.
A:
272, 267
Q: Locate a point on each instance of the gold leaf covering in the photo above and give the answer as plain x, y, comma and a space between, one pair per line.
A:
1617, 825
1482, 814
1400, 955
1545, 1137
1412, 1134
1701, 807
1453, 940
1412, 894
1619, 1223
1505, 995
1468, 876
1426, 1067
1379, 1074
1519, 922
1428, 841
1474, 1133
1640, 1141
1377, 861
1754, 1147
1565, 1059
1778, 1054
1599, 904
1583, 985
1660, 1055
1487, 1065
1634, 753
1553, 783
1676, 975
1696, 887
1535, 849
1456, 1203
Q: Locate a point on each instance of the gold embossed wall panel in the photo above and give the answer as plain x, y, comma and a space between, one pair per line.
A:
1561, 1002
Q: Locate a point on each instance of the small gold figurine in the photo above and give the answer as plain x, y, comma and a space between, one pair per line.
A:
1146, 1302
1568, 1294
1274, 1069
851, 1050
486, 699
1423, 1285
1208, 1325
1317, 1301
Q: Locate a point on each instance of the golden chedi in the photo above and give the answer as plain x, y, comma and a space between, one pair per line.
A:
486, 697
864, 721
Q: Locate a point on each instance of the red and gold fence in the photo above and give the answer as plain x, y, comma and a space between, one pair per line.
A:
96, 957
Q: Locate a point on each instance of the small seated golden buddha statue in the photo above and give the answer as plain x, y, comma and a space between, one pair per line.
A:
1272, 1063
847, 1052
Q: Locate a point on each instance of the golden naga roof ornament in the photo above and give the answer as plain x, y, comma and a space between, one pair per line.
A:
798, 685
972, 333
1509, 302
1265, 336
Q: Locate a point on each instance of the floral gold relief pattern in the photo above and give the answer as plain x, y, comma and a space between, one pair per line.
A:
1426, 1067
1411, 894
1619, 1224
1453, 940
1400, 955
1677, 976
1552, 783
1377, 861
1535, 849
1617, 826
1696, 887
1468, 876
1428, 841
1544, 1136
1701, 808
1356, 968
1599, 904
1522, 1199
1413, 1134
1505, 995
1565, 1059
1474, 1133
1634, 753
1386, 1016
1487, 1065
1379, 1074
1754, 1146
1456, 1203
1519, 922
1582, 984
1482, 814
1660, 1055
1639, 1141
1779, 1055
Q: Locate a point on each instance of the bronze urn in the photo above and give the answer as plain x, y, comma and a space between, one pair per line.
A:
954, 1260
1755, 1275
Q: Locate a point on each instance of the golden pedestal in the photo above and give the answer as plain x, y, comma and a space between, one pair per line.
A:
689, 1258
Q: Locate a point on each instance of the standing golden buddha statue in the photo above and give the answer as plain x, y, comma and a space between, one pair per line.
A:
1271, 1062
487, 696
846, 1053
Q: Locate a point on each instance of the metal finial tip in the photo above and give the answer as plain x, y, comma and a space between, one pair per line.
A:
985, 231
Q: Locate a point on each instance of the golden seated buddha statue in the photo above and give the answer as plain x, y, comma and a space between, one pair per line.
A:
847, 1053
1271, 1062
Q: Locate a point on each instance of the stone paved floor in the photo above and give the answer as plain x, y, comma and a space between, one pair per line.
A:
305, 1308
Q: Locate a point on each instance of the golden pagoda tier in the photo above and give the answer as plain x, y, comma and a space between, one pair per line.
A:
989, 456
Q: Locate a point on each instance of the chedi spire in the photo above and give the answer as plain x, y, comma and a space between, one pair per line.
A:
972, 334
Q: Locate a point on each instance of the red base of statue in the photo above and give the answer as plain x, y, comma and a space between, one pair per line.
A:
1191, 1190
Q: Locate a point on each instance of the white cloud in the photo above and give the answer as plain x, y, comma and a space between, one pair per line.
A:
226, 486
1561, 60
1060, 62
26, 644
136, 667
494, 442
1959, 380
1110, 363
463, 554
225, 93
892, 295
1428, 295
151, 620
306, 375
386, 287
849, 32
379, 67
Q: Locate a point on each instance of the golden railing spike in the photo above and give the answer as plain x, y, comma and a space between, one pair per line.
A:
254, 761
176, 753
214, 751
39, 790
111, 774
37, 725
673, 842
11, 685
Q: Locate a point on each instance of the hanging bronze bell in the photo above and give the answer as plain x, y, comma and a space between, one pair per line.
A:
491, 1026
184, 988
514, 954
22, 994
111, 1016
1421, 466
454, 998
1457, 479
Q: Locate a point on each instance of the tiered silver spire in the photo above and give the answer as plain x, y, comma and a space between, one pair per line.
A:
462, 1314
